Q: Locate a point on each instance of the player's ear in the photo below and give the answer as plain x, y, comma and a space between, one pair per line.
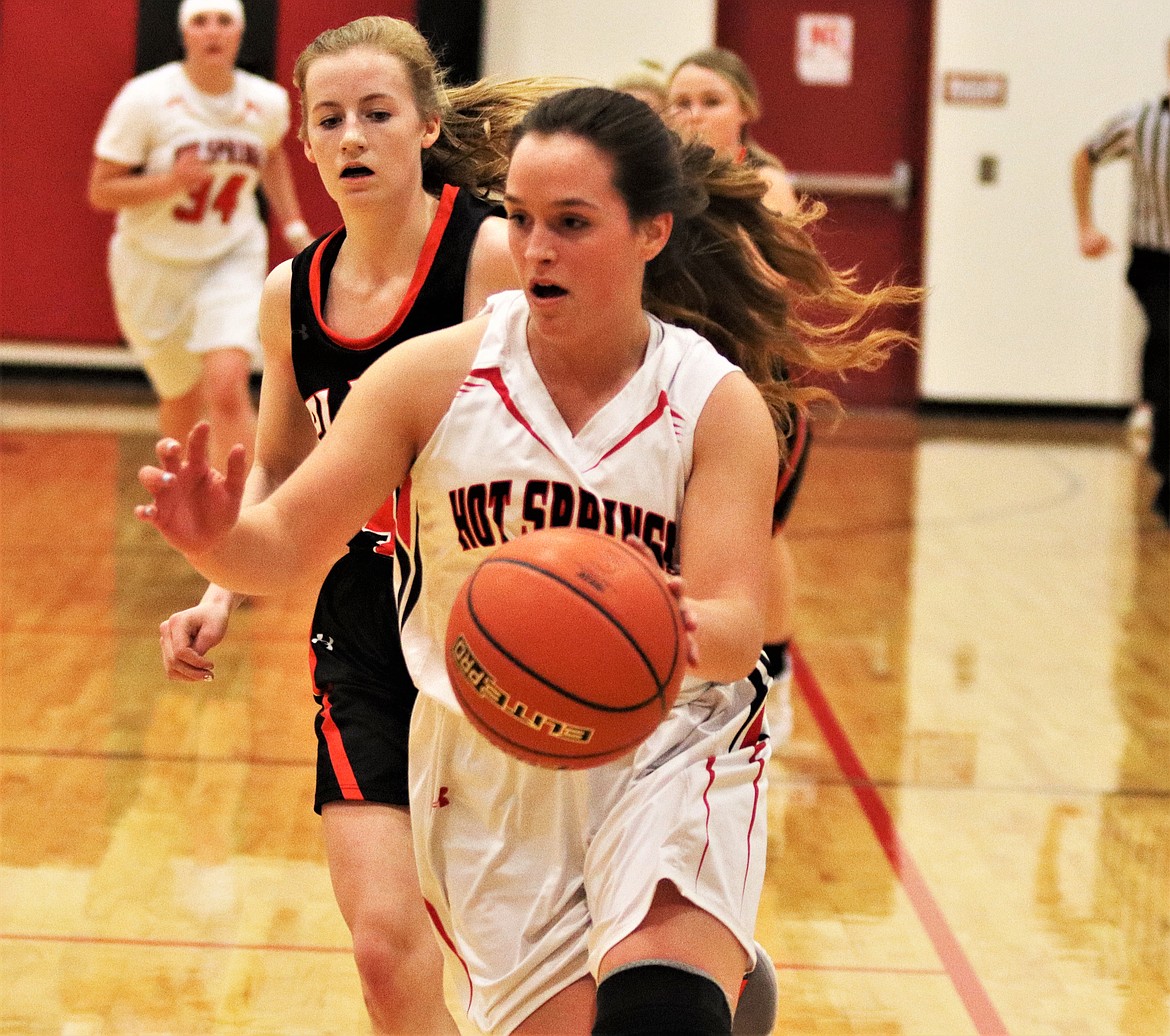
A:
431, 127
654, 233
308, 151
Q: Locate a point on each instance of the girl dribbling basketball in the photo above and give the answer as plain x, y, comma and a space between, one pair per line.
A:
619, 899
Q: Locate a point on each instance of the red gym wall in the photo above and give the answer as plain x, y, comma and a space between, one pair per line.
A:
60, 66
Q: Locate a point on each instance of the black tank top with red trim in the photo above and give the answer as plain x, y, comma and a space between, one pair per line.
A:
326, 363
791, 469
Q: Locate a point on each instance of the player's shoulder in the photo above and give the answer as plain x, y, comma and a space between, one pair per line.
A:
685, 345
150, 86
279, 280
261, 90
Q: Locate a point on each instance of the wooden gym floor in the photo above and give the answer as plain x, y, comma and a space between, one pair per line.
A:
970, 825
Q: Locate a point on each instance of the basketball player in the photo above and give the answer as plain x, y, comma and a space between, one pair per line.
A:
178, 157
419, 250
627, 892
713, 95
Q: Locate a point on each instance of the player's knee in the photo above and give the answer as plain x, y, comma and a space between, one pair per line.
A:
226, 374
755, 1015
660, 998
393, 959
226, 398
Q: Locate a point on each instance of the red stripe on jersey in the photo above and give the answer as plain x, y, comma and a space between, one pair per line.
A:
382, 520
646, 422
422, 269
755, 806
338, 758
494, 378
434, 915
707, 804
381, 523
752, 734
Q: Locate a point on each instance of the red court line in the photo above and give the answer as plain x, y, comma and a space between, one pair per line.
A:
171, 944
966, 982
164, 758
857, 969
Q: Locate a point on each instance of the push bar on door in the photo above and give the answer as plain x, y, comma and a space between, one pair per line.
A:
896, 187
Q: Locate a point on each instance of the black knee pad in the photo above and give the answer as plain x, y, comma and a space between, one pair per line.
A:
660, 998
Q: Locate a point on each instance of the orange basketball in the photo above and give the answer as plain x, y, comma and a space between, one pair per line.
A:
566, 648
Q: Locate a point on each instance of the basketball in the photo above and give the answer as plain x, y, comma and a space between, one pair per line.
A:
565, 648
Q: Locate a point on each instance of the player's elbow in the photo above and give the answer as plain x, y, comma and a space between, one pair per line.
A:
734, 655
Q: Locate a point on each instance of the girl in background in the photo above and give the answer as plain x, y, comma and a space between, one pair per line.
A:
409, 164
712, 95
178, 158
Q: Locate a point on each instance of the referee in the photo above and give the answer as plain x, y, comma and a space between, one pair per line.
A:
1140, 134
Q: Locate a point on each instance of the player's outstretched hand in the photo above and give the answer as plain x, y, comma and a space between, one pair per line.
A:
194, 505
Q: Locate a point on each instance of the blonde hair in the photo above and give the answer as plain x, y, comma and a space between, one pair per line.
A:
476, 121
646, 81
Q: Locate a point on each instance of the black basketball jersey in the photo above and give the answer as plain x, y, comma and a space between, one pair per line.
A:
326, 363
791, 469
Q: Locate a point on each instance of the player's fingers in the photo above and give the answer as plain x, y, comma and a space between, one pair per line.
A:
180, 661
191, 661
197, 444
677, 586
178, 669
170, 453
237, 469
690, 625
155, 480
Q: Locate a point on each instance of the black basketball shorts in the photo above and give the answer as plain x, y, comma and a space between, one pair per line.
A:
363, 690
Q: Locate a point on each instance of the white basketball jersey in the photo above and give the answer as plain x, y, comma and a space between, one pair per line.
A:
502, 463
160, 114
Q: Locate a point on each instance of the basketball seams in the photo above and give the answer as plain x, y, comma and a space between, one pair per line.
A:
660, 684
560, 679
529, 671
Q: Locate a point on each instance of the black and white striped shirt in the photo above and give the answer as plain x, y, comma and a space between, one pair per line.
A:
1142, 134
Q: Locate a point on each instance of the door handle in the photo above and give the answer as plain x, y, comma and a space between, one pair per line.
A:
896, 187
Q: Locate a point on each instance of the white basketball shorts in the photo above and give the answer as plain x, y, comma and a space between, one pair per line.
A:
171, 313
531, 875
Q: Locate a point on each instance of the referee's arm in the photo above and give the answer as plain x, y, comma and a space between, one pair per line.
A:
1093, 243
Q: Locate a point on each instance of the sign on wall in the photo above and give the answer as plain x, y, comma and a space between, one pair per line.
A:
985, 89
824, 49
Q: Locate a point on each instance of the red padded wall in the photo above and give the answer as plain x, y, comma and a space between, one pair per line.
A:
60, 66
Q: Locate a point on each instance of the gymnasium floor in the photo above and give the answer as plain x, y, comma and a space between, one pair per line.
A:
969, 827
